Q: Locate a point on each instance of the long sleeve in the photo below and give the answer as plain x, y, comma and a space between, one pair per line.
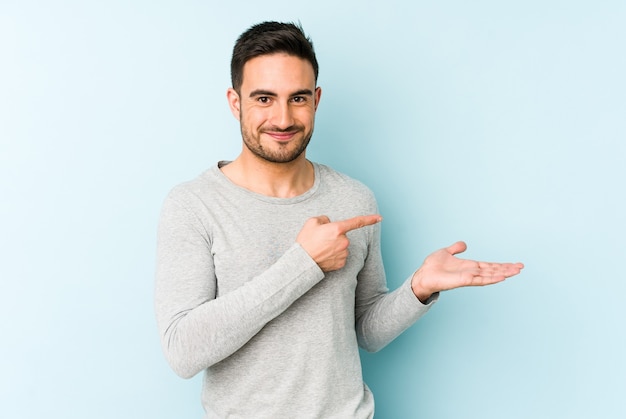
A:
197, 329
381, 316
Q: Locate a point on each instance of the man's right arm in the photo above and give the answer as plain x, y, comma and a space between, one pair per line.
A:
197, 329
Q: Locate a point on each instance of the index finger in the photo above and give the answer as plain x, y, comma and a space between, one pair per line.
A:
358, 222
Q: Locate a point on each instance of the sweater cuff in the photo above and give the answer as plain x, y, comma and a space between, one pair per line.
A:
412, 298
303, 259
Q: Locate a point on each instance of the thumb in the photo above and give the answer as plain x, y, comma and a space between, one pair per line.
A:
320, 219
458, 247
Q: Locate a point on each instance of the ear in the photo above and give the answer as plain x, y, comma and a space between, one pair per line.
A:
318, 96
233, 102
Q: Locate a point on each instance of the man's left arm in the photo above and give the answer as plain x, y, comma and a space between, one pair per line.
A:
382, 315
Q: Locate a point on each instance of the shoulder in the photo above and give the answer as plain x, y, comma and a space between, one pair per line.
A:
193, 192
346, 188
336, 178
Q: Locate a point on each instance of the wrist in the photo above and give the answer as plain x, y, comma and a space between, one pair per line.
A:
421, 292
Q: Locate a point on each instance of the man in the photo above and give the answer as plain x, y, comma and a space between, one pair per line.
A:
269, 272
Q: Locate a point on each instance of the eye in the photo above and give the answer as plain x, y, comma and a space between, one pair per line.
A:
263, 99
298, 99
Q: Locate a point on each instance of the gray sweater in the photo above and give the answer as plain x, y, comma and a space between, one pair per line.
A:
238, 298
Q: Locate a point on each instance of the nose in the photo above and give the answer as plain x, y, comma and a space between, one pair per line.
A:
282, 116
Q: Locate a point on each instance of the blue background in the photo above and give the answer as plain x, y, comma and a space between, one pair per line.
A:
499, 123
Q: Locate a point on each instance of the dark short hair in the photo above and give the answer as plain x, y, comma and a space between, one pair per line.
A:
270, 38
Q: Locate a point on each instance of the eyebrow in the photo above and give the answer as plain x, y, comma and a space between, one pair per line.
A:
261, 92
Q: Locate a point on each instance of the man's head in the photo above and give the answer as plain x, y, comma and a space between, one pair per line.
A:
270, 38
274, 94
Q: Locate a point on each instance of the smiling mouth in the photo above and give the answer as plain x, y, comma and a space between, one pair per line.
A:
281, 135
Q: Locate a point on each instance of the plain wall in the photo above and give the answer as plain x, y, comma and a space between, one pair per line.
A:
499, 123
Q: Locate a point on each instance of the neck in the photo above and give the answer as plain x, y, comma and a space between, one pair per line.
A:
280, 180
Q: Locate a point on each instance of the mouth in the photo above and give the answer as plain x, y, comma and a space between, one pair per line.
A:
281, 136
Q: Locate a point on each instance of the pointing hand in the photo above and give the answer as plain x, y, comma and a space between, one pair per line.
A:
326, 242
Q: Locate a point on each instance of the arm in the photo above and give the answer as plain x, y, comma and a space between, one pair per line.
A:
382, 316
197, 329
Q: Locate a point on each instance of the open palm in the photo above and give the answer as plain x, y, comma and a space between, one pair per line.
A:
442, 271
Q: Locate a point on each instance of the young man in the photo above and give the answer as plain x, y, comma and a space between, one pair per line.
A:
269, 270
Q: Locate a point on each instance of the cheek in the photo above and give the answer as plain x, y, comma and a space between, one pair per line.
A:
307, 116
252, 117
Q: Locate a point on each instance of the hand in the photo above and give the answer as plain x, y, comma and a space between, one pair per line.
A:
442, 271
327, 243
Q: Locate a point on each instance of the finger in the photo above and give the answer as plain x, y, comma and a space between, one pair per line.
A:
483, 280
506, 270
492, 266
358, 222
513, 268
486, 278
456, 248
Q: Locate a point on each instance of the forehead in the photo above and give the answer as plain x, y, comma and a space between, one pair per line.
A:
278, 72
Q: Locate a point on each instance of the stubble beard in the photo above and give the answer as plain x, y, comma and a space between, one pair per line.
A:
283, 155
